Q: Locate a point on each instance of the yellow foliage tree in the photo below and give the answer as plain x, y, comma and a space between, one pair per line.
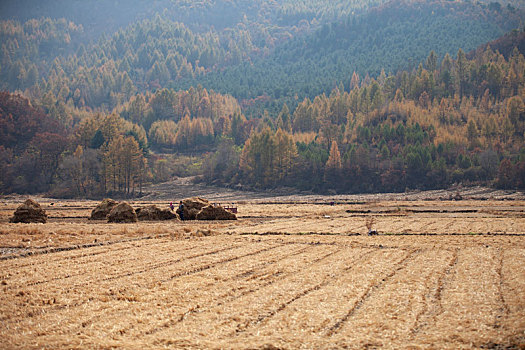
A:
123, 164
334, 158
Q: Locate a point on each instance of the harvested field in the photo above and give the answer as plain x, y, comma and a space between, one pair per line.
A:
439, 274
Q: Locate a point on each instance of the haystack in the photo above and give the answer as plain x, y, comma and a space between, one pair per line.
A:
153, 213
211, 212
30, 211
122, 213
102, 210
192, 207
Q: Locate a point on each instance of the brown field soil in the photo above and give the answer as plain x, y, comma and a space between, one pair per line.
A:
294, 273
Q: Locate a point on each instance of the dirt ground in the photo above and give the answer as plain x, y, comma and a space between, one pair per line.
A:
291, 272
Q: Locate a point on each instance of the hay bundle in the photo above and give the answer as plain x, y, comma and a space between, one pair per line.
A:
192, 206
122, 213
153, 213
102, 210
211, 212
30, 211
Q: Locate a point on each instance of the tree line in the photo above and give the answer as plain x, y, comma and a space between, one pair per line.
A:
457, 120
447, 121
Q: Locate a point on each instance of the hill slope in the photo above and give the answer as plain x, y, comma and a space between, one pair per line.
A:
396, 36
264, 49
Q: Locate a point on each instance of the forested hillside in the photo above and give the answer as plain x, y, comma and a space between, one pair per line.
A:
110, 15
318, 95
449, 121
392, 37
258, 62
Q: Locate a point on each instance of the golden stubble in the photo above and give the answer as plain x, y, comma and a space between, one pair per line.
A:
292, 275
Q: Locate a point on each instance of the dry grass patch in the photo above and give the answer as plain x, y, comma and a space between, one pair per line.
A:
68, 224
221, 291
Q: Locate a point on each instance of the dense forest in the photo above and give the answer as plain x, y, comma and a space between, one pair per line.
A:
325, 96
449, 121
109, 16
389, 38
261, 64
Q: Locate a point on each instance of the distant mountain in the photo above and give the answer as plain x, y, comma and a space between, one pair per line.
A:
108, 16
264, 53
395, 36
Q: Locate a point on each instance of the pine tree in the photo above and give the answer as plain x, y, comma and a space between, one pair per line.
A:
284, 119
354, 83
334, 159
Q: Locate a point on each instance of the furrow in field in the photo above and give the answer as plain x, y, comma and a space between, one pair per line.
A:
470, 301
503, 310
258, 271
67, 292
301, 294
220, 274
227, 320
297, 310
209, 266
394, 309
369, 291
279, 275
86, 252
37, 273
435, 284
215, 296
69, 297
54, 250
513, 295
170, 296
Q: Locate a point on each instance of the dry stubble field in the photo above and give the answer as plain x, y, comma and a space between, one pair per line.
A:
440, 274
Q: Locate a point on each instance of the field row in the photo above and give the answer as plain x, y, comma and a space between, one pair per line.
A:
245, 291
69, 227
